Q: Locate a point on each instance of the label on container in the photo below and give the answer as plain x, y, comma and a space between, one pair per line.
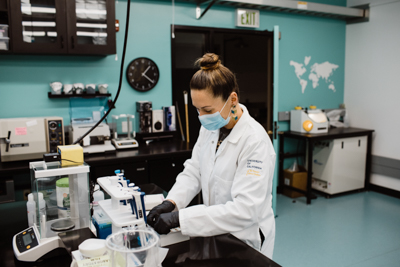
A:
95, 262
20, 131
63, 202
302, 5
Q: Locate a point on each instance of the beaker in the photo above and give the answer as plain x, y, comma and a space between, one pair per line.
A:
129, 248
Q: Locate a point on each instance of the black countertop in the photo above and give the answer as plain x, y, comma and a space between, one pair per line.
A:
153, 150
222, 250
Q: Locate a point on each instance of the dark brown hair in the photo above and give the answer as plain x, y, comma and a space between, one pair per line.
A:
214, 76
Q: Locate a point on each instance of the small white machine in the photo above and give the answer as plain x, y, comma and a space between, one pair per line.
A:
39, 239
312, 120
30, 138
339, 165
97, 141
158, 120
126, 208
123, 124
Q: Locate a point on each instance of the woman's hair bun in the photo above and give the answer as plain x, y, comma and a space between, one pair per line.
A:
209, 61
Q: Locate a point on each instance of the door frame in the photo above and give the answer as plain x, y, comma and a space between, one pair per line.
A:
209, 47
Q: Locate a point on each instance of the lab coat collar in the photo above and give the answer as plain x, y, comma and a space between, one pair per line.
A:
240, 127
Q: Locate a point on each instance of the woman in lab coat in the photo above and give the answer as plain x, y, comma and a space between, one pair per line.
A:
232, 163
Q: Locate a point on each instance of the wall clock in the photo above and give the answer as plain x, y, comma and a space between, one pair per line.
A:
142, 74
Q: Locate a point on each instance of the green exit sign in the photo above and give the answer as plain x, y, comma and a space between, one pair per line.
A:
247, 18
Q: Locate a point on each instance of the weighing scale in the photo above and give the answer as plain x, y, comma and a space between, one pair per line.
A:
44, 236
123, 123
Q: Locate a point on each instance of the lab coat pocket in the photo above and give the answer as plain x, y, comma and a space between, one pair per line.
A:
222, 190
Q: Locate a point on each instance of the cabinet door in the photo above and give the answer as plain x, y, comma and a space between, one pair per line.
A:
163, 172
38, 27
91, 27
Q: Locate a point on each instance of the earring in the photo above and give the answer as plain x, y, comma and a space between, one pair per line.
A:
234, 113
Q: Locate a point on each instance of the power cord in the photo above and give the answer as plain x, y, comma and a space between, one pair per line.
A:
120, 77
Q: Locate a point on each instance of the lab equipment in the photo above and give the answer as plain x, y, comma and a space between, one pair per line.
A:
311, 120
56, 88
103, 88
85, 113
145, 115
158, 121
133, 247
339, 165
30, 138
37, 240
127, 208
334, 117
122, 215
68, 89
169, 118
123, 124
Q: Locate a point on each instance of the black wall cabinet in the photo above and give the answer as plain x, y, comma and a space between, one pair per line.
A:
62, 27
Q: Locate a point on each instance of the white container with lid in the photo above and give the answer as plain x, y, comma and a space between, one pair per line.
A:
4, 30
4, 43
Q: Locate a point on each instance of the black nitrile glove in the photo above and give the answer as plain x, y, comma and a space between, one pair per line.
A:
166, 206
166, 222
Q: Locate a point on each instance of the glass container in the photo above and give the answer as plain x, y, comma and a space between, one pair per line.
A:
66, 194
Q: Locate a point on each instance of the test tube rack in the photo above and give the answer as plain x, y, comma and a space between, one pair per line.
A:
121, 215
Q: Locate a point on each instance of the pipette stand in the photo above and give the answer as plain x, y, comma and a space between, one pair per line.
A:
121, 215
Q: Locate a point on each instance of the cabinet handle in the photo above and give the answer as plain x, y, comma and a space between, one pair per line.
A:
72, 42
62, 42
140, 169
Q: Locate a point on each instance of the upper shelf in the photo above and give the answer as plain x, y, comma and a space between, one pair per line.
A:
306, 8
84, 95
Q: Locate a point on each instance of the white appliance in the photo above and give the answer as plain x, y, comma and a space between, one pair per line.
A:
308, 121
30, 138
339, 165
158, 121
98, 141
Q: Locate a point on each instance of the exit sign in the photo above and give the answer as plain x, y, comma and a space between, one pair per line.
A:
247, 18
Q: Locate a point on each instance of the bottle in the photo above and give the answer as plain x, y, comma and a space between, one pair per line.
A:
31, 209
346, 120
42, 206
98, 195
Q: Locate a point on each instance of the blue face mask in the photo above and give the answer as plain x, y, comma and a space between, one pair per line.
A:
215, 121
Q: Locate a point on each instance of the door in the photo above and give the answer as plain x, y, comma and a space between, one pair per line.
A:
91, 27
247, 53
38, 27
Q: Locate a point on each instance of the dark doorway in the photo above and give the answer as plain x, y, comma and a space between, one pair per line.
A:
249, 54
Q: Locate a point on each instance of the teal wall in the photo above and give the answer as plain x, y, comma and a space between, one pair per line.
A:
24, 79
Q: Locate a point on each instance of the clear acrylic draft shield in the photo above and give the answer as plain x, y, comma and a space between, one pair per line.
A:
133, 248
67, 196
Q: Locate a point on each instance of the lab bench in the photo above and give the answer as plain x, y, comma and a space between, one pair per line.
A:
221, 250
311, 140
158, 162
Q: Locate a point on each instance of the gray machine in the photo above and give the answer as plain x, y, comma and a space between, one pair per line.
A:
30, 138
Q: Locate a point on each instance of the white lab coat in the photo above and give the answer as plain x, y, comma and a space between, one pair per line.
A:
236, 184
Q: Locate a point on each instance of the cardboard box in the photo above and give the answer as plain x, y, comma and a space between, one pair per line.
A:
294, 179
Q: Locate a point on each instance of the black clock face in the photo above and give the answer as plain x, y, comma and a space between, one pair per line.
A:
142, 74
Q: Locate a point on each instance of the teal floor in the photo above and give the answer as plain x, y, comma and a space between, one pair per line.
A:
358, 230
